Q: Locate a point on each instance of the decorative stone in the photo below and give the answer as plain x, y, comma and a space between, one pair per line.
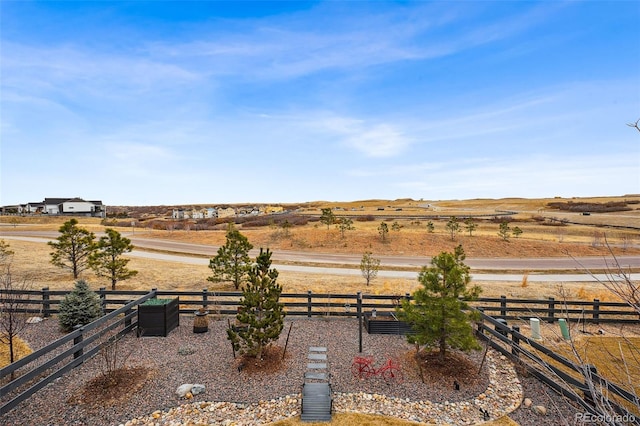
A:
183, 390
197, 389
527, 402
539, 410
34, 320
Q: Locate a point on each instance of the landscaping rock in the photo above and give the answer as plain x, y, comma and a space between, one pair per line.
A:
527, 402
183, 390
197, 389
540, 410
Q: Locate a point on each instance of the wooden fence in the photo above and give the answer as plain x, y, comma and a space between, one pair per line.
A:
45, 302
35, 370
556, 371
43, 366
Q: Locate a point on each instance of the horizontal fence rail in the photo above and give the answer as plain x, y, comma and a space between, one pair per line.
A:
120, 309
46, 302
34, 371
556, 371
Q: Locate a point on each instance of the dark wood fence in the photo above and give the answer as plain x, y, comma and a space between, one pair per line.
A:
556, 371
26, 376
35, 370
45, 302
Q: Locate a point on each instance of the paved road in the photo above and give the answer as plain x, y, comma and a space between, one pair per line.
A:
578, 277
320, 263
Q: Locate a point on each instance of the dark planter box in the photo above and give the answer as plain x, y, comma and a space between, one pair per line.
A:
385, 323
158, 319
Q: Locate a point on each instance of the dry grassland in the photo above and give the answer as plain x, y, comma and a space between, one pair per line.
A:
412, 239
32, 260
20, 348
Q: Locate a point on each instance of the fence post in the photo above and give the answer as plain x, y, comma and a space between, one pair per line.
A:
503, 306
103, 299
596, 311
551, 312
127, 318
480, 322
205, 297
46, 306
359, 310
309, 303
77, 340
516, 341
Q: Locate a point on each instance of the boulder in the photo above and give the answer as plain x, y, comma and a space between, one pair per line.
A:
197, 388
183, 390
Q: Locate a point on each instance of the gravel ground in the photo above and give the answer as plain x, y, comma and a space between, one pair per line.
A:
211, 363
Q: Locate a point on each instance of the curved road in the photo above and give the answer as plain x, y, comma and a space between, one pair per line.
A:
308, 262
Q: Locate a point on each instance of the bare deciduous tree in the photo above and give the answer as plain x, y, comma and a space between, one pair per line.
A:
369, 267
12, 320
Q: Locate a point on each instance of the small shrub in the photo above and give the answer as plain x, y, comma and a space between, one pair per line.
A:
79, 307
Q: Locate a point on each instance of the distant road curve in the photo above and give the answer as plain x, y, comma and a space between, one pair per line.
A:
319, 261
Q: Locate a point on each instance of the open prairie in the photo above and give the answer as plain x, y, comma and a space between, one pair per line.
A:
583, 235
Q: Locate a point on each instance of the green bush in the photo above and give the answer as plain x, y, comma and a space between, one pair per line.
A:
79, 307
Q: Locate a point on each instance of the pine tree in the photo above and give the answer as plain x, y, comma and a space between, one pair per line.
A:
72, 248
470, 225
79, 307
260, 309
232, 263
505, 231
383, 230
107, 260
439, 313
328, 217
453, 226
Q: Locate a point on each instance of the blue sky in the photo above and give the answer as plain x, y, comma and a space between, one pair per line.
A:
159, 102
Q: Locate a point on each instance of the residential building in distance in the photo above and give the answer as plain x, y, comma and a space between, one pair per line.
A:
59, 206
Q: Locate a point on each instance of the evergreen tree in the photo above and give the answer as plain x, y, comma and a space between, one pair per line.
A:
430, 227
80, 307
260, 309
470, 225
345, 224
453, 226
72, 248
107, 260
383, 230
517, 231
439, 314
328, 217
505, 231
232, 263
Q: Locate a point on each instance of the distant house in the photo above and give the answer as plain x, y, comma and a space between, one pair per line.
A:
208, 213
273, 209
211, 213
228, 212
179, 214
59, 206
